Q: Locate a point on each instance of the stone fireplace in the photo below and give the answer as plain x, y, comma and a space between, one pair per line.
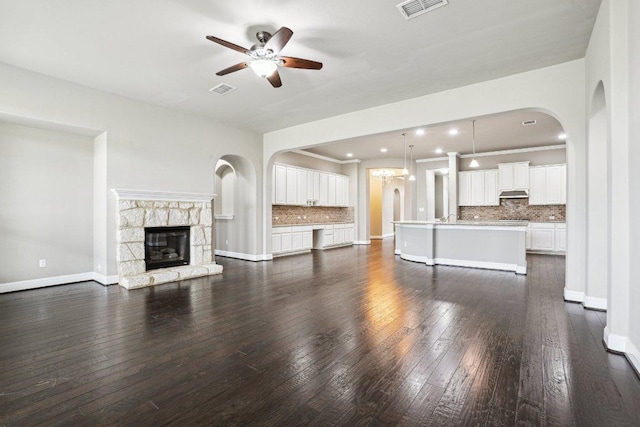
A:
137, 211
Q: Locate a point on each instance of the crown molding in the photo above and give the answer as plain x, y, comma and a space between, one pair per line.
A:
328, 159
496, 153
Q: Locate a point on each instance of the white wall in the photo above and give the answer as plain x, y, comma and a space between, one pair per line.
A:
148, 147
558, 90
633, 17
46, 187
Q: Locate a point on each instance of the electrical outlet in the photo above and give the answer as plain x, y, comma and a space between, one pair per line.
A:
420, 209
277, 218
226, 242
98, 267
304, 217
552, 217
405, 244
476, 217
43, 263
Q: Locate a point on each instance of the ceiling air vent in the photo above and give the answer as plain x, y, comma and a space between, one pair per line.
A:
222, 89
529, 122
412, 8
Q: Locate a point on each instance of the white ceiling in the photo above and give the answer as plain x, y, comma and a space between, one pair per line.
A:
155, 51
493, 133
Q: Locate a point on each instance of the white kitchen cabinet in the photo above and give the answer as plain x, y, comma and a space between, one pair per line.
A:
286, 242
331, 190
301, 185
513, 176
548, 185
478, 188
527, 237
280, 184
307, 239
291, 239
297, 186
276, 243
547, 237
292, 187
491, 188
323, 200
464, 189
560, 237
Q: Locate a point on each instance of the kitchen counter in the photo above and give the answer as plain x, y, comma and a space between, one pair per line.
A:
496, 245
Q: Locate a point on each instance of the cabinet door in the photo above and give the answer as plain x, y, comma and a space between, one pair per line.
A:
491, 188
542, 237
280, 184
345, 191
537, 185
338, 236
339, 190
324, 189
296, 241
310, 181
292, 188
276, 243
285, 242
301, 194
316, 186
521, 176
464, 189
477, 188
349, 233
555, 185
331, 190
307, 240
561, 238
505, 176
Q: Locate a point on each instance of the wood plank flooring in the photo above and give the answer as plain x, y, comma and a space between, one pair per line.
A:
349, 336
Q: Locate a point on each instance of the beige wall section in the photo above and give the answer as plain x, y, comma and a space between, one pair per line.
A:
46, 187
375, 207
148, 147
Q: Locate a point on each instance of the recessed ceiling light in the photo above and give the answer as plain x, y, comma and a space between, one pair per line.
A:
562, 136
349, 154
383, 150
419, 131
453, 132
438, 150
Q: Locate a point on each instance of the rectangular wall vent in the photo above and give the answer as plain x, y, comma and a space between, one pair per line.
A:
222, 89
412, 8
529, 122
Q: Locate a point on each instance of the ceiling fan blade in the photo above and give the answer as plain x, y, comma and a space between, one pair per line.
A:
279, 39
233, 68
228, 44
274, 79
288, 61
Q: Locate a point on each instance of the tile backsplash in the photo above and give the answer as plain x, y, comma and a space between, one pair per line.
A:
515, 209
295, 215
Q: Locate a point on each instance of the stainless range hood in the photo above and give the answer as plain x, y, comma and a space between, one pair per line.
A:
514, 194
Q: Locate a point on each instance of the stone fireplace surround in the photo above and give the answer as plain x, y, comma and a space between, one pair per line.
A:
137, 209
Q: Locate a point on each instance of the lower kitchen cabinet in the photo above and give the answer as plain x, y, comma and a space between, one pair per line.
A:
547, 237
294, 239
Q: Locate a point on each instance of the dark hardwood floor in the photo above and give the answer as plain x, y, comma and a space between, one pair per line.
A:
350, 336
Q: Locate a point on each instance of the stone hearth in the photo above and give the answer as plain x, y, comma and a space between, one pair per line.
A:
139, 209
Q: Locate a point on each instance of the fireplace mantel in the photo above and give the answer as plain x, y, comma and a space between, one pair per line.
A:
137, 209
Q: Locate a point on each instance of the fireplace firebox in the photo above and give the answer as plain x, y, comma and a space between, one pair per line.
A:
166, 247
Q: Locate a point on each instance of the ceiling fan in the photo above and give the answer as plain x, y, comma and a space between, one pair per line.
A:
264, 56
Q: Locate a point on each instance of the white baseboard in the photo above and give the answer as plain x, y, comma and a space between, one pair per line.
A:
573, 296
246, 257
595, 303
633, 355
362, 242
24, 285
621, 344
415, 258
615, 342
397, 252
478, 264
522, 269
105, 280
386, 236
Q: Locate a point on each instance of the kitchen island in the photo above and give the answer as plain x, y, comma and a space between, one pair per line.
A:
491, 245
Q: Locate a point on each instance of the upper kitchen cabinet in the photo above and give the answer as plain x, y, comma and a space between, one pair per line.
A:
299, 186
513, 176
478, 188
548, 185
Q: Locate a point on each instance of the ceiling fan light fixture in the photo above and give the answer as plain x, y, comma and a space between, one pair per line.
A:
263, 67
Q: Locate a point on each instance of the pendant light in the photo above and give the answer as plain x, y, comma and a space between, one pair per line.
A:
412, 177
474, 162
405, 171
